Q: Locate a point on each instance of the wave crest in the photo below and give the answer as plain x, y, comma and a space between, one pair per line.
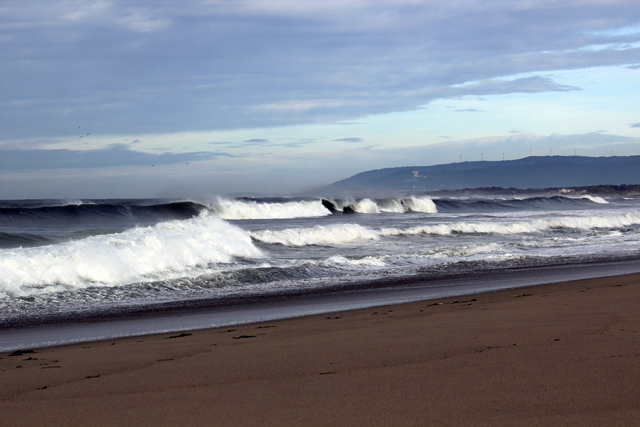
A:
595, 199
318, 235
141, 254
240, 209
423, 204
347, 233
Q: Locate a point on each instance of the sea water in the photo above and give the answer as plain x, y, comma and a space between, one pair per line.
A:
69, 260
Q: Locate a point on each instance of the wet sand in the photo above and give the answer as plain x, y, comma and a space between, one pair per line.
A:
558, 354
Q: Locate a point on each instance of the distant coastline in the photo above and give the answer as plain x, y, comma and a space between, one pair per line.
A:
623, 190
606, 175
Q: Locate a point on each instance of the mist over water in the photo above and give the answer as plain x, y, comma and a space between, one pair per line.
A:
74, 258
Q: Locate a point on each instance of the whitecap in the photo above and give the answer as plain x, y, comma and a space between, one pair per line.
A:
144, 254
318, 235
239, 209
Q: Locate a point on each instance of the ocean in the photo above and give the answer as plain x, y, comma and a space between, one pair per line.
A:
89, 261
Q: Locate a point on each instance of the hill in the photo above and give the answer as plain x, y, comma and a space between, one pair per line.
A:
526, 173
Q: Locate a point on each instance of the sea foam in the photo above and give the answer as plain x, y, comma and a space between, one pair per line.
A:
365, 206
420, 204
318, 235
390, 205
375, 206
347, 233
520, 227
167, 250
240, 209
595, 199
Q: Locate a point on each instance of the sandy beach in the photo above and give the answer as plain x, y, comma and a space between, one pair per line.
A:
559, 354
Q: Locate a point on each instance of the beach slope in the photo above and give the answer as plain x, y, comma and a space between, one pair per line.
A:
560, 354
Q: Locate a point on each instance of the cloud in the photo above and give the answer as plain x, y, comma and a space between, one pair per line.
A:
140, 20
299, 143
301, 106
114, 155
349, 140
203, 65
532, 84
263, 142
523, 144
469, 110
635, 125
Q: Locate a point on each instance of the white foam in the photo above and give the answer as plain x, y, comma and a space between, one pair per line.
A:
595, 199
361, 262
422, 204
76, 203
369, 206
390, 205
240, 209
318, 235
164, 251
347, 233
466, 250
365, 206
580, 223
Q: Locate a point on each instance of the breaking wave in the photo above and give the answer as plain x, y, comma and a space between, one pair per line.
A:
595, 199
423, 204
318, 235
522, 227
374, 206
47, 213
346, 233
144, 254
240, 209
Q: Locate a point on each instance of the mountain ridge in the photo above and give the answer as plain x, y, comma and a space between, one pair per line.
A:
525, 173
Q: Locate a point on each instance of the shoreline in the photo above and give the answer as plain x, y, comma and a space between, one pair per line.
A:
184, 316
558, 354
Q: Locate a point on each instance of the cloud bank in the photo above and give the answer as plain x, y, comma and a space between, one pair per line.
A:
175, 79
114, 156
353, 140
139, 67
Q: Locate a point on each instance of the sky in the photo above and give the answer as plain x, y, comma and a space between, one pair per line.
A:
199, 98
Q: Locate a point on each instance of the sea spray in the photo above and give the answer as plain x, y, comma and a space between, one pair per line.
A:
240, 209
365, 206
420, 204
390, 205
144, 254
